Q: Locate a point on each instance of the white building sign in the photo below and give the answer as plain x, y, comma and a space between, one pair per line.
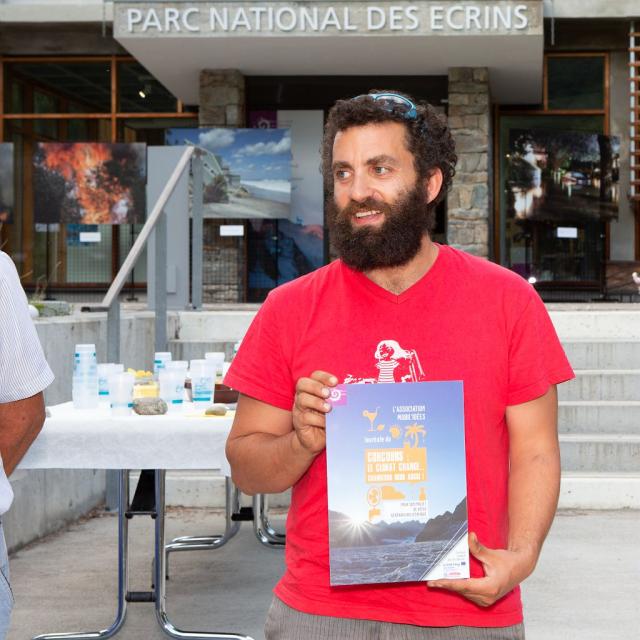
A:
300, 18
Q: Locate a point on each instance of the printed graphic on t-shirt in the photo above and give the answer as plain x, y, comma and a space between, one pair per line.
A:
394, 364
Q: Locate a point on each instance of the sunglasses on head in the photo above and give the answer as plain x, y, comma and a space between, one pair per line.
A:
393, 103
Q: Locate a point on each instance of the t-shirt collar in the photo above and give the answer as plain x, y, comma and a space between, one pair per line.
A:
427, 280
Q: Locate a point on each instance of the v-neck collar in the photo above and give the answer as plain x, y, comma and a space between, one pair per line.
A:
427, 280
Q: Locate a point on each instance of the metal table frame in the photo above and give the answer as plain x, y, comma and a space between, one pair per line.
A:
159, 571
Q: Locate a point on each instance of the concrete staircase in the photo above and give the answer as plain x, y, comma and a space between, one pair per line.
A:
599, 412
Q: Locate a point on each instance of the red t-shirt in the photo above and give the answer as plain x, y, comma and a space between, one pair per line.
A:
466, 319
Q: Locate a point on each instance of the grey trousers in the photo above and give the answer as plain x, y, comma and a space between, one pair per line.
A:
285, 623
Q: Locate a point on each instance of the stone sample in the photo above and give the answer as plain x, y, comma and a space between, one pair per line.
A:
150, 406
216, 410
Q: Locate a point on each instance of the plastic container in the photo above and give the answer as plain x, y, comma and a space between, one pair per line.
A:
159, 361
202, 375
121, 393
84, 384
172, 388
217, 359
182, 365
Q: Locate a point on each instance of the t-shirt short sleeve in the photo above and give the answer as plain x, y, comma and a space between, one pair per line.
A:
23, 368
536, 357
260, 369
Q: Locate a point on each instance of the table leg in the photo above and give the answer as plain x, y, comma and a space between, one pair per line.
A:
265, 533
123, 572
160, 576
190, 543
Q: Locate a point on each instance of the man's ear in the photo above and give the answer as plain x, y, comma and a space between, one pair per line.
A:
433, 184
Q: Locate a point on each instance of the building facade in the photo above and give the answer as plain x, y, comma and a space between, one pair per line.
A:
540, 97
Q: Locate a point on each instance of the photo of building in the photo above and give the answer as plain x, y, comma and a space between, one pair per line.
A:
127, 72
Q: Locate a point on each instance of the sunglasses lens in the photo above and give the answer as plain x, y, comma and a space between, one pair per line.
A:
397, 104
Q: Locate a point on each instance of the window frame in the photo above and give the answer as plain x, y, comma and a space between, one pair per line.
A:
500, 111
113, 116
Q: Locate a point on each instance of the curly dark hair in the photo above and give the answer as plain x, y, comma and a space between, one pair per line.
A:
429, 138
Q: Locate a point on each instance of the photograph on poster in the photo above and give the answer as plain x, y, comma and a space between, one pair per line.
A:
285, 249
6, 182
89, 183
558, 176
247, 172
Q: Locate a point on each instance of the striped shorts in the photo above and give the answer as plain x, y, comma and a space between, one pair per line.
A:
285, 623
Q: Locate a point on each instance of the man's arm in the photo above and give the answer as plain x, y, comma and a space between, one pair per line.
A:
534, 484
20, 423
269, 449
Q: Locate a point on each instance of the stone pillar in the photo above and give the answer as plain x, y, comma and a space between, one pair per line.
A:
222, 104
469, 202
222, 98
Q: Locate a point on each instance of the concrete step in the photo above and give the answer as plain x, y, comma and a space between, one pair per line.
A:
580, 490
599, 353
593, 384
195, 349
589, 322
216, 326
207, 489
600, 453
599, 416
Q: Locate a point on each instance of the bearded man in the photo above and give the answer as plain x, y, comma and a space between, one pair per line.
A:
387, 162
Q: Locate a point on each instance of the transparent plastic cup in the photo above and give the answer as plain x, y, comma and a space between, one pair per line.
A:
172, 388
121, 393
203, 377
160, 359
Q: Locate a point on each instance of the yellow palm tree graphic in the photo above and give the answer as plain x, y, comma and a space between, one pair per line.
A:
371, 416
412, 433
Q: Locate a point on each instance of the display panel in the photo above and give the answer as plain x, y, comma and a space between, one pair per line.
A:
89, 183
562, 175
247, 172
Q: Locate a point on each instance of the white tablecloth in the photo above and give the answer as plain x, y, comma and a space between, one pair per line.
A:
93, 439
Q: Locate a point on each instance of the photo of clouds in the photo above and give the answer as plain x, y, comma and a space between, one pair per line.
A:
6, 182
89, 183
247, 172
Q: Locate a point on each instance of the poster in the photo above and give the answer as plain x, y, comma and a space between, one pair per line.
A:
247, 172
7, 201
89, 183
285, 249
396, 478
557, 176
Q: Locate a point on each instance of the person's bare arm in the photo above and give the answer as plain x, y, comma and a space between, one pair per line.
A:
269, 449
20, 423
534, 484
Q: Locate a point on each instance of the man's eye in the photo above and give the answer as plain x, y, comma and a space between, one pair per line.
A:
381, 171
341, 174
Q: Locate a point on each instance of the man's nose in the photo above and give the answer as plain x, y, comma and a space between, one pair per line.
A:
360, 187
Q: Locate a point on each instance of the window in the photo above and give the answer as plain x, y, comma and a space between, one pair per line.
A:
93, 99
552, 244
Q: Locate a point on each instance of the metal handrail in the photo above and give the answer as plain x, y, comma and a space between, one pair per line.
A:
138, 246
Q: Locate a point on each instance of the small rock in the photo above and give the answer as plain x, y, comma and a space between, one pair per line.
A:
216, 410
150, 406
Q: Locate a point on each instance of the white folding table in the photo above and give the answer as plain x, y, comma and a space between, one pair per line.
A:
93, 439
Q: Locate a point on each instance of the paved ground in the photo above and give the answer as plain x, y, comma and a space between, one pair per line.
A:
585, 588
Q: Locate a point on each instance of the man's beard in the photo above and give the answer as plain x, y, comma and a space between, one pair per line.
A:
393, 243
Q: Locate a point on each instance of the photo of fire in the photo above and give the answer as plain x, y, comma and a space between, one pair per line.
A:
89, 183
6, 182
562, 176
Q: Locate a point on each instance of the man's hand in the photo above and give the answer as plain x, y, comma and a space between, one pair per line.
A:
310, 407
503, 570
